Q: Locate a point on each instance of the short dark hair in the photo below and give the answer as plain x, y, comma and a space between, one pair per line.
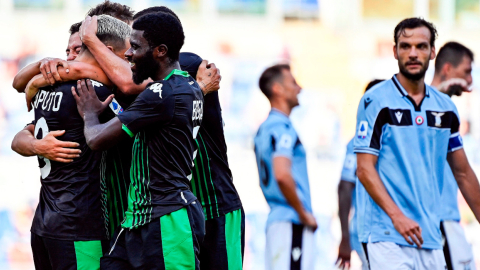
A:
155, 10
122, 12
372, 83
269, 76
412, 23
162, 28
75, 28
453, 53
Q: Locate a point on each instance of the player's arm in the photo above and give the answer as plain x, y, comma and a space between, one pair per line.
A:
466, 179
345, 189
282, 170
368, 176
119, 70
25, 144
47, 67
78, 70
98, 136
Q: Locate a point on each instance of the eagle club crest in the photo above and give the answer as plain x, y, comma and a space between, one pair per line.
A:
156, 88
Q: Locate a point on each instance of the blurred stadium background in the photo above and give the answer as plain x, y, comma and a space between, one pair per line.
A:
334, 46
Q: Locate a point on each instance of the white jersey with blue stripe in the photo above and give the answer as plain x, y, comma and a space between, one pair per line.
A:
277, 137
411, 142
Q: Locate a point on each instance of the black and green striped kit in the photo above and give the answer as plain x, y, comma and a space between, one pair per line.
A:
163, 120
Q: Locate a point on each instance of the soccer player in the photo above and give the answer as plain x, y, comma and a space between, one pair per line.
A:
48, 66
282, 167
453, 76
164, 222
223, 245
346, 201
406, 131
68, 226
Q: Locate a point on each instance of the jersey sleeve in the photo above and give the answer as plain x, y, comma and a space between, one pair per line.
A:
283, 141
455, 141
367, 136
155, 105
349, 170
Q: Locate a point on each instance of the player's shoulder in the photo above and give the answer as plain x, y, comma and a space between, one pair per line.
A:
442, 99
378, 96
278, 123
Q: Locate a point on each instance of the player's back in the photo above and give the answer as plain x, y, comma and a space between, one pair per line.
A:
277, 137
69, 206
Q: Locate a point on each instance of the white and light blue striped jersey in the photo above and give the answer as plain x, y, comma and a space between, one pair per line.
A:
277, 137
411, 142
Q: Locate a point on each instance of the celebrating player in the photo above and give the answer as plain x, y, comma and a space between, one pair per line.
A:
346, 200
68, 225
453, 76
212, 184
406, 131
164, 221
282, 166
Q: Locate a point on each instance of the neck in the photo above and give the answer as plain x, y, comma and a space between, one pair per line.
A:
437, 80
87, 57
163, 72
281, 106
413, 88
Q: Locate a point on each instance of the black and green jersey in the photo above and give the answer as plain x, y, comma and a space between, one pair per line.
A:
164, 119
69, 206
212, 179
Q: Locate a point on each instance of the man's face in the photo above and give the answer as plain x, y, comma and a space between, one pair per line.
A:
140, 56
290, 88
413, 52
462, 71
74, 46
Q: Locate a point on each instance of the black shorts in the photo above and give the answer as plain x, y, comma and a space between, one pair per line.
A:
169, 242
52, 254
224, 243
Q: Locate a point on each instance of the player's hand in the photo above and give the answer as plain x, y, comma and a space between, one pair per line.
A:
88, 29
208, 77
409, 229
87, 100
48, 68
308, 220
56, 150
344, 253
454, 86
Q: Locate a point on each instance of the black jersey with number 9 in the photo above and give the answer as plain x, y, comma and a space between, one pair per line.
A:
70, 206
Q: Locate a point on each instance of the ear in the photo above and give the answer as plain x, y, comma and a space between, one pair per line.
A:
395, 51
433, 54
160, 51
277, 88
110, 48
446, 68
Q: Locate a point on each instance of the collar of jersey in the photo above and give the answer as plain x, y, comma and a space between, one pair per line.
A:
402, 90
176, 72
279, 112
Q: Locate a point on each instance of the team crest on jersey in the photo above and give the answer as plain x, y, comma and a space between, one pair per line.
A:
362, 130
156, 88
419, 120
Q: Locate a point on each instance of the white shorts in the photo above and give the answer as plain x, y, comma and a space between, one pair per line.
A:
390, 256
289, 247
458, 252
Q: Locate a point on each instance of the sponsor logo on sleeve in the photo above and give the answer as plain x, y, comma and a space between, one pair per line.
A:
362, 130
367, 102
115, 107
156, 88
